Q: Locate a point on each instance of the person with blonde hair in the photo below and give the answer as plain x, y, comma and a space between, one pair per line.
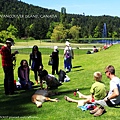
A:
97, 92
113, 97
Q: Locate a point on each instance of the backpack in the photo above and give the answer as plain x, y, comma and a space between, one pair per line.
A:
61, 75
68, 52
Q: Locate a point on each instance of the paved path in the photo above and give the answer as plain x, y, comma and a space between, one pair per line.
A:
21, 47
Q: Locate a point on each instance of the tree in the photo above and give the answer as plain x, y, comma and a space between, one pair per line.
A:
50, 30
12, 30
4, 35
74, 32
96, 32
114, 34
59, 33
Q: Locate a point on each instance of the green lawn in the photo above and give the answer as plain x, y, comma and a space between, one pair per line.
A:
84, 65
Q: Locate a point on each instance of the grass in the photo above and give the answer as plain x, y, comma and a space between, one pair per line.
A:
42, 43
84, 65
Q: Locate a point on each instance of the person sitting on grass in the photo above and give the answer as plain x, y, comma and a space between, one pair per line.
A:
113, 97
98, 91
51, 80
23, 75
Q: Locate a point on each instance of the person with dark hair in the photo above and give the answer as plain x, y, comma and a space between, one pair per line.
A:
113, 97
23, 75
55, 58
51, 80
7, 64
95, 49
35, 61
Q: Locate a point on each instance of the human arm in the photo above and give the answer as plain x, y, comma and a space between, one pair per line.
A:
113, 95
40, 61
64, 52
30, 59
72, 54
41, 83
20, 74
14, 53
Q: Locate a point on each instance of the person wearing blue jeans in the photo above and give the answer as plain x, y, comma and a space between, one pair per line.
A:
68, 56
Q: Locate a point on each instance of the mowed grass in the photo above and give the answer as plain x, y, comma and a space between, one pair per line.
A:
84, 65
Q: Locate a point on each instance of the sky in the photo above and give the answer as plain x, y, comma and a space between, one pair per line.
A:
88, 7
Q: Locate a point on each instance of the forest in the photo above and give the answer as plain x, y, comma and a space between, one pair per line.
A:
23, 21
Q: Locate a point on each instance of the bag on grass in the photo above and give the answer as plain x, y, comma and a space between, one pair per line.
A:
50, 62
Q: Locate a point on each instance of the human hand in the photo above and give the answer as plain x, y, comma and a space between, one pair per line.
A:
40, 67
29, 67
106, 99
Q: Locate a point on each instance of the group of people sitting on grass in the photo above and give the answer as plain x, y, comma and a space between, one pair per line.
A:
98, 99
99, 96
23, 77
95, 49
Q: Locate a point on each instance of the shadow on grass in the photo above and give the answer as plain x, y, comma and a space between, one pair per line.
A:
76, 66
71, 91
77, 70
20, 105
17, 104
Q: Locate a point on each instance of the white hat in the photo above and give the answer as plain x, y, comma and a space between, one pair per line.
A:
10, 40
67, 43
55, 47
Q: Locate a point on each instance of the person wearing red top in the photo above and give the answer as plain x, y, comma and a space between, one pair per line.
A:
7, 64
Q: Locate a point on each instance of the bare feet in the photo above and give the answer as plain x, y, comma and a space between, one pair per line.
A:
80, 94
56, 100
67, 98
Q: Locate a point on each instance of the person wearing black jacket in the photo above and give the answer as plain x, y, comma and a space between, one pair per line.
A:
35, 62
55, 59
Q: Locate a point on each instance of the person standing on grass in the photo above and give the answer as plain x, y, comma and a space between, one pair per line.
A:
7, 64
55, 58
68, 56
113, 97
98, 91
35, 62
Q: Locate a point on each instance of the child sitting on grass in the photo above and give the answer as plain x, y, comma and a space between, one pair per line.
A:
98, 91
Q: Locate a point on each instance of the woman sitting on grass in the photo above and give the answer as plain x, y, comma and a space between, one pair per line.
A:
23, 75
98, 92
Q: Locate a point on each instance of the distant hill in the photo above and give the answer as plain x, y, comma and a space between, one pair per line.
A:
24, 16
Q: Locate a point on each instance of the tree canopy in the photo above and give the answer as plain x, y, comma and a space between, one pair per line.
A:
25, 20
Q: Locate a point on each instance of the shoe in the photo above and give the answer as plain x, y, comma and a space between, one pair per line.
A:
99, 112
94, 111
